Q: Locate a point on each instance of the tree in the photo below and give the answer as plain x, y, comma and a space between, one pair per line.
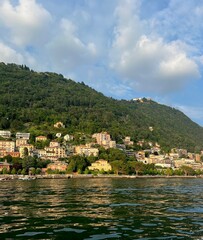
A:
38, 171
5, 171
29, 162
117, 166
32, 171
23, 172
187, 170
8, 158
13, 171
169, 172
71, 167
138, 167
17, 163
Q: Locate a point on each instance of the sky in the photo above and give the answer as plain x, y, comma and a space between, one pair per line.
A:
123, 48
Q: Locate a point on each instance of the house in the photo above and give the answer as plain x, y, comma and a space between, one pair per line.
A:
61, 166
40, 139
58, 135
100, 165
59, 125
54, 144
151, 129
8, 146
104, 139
165, 163
23, 135
68, 137
197, 157
21, 141
86, 150
5, 134
5, 165
179, 162
127, 141
54, 153
13, 154
4, 153
22, 148
140, 154
41, 153
112, 144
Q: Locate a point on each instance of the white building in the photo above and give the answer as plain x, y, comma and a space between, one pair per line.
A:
5, 134
23, 135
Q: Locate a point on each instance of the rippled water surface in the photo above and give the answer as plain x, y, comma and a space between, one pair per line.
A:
94, 209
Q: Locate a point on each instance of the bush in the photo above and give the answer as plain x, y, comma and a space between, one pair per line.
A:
13, 171
38, 171
23, 172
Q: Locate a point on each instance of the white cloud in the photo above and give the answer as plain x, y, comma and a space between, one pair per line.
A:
172, 22
26, 22
67, 50
145, 61
9, 55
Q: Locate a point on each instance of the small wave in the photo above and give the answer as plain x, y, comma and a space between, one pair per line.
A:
125, 204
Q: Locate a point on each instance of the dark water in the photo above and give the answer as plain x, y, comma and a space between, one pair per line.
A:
94, 209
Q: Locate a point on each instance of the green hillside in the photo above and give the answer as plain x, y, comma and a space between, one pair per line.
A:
31, 101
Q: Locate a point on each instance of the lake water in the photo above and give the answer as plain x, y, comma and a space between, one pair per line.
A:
94, 209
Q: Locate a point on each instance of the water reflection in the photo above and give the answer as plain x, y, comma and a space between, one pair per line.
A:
102, 209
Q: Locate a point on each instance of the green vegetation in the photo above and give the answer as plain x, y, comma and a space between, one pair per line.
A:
31, 101
24, 165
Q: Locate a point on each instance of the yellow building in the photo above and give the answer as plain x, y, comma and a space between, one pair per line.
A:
40, 138
8, 146
29, 147
59, 125
100, 165
21, 141
86, 151
54, 144
54, 153
127, 141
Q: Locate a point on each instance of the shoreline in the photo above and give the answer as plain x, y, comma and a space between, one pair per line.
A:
86, 176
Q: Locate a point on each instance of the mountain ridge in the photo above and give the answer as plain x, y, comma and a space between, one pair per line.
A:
32, 101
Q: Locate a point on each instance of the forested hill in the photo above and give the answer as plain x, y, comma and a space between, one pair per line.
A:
32, 101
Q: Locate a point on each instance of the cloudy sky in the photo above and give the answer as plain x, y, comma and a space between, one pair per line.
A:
122, 48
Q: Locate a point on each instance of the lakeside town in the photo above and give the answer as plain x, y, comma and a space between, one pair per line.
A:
58, 155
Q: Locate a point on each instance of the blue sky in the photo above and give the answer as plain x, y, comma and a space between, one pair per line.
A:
122, 48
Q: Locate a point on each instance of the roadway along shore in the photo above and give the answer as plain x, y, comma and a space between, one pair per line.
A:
68, 176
